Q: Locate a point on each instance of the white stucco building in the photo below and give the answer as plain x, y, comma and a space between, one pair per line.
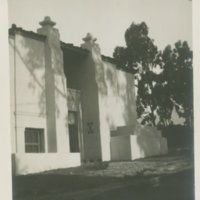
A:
71, 105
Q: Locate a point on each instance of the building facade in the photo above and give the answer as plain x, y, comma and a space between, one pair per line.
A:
71, 105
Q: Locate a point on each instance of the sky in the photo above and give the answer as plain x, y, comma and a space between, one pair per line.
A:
168, 20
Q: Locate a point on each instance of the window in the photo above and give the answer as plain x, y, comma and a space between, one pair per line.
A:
34, 140
73, 131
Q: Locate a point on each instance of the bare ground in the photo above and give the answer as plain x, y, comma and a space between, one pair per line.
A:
167, 177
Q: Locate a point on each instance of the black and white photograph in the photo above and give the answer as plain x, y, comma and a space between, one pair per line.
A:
101, 99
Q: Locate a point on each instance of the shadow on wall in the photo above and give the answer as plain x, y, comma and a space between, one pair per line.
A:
79, 69
101, 79
34, 61
73, 66
18, 166
151, 141
149, 145
13, 163
130, 103
119, 85
90, 111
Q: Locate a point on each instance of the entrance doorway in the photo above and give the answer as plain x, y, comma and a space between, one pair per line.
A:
73, 131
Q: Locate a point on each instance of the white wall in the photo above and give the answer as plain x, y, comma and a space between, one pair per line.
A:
12, 99
131, 147
120, 148
81, 73
56, 91
115, 96
31, 63
27, 88
33, 163
116, 102
90, 108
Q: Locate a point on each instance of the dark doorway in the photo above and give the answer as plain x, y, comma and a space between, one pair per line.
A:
73, 131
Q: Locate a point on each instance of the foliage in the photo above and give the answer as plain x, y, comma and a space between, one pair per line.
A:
140, 49
158, 93
178, 73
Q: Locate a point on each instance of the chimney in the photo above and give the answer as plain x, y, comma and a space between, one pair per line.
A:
48, 30
89, 44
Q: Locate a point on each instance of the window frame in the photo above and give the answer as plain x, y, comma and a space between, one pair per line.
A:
34, 133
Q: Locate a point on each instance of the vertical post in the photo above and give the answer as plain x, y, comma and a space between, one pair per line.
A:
56, 89
47, 29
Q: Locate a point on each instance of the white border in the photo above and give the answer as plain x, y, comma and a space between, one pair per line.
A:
196, 64
5, 141
5, 158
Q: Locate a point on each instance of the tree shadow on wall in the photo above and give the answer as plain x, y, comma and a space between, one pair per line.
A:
34, 63
32, 55
115, 83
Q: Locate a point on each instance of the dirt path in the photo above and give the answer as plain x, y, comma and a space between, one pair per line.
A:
167, 177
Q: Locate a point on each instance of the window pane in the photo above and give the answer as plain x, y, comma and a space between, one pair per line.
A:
34, 140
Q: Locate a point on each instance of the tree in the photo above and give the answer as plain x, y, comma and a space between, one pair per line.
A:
157, 93
142, 57
178, 73
139, 51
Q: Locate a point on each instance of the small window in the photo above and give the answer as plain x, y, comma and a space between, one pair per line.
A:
34, 140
